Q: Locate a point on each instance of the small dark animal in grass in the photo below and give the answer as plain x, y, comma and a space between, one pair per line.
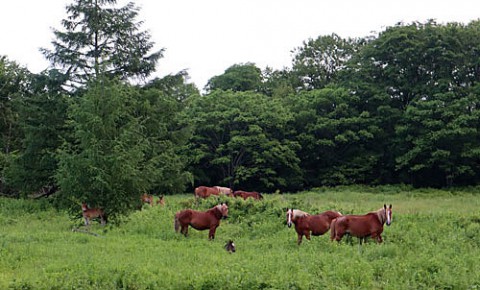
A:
201, 220
362, 226
92, 213
306, 224
247, 194
230, 246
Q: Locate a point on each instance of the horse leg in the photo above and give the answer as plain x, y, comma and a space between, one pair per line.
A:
211, 233
379, 239
307, 235
184, 230
299, 240
87, 222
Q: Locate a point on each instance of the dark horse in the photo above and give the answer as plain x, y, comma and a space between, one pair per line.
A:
201, 220
246, 194
205, 191
315, 224
362, 226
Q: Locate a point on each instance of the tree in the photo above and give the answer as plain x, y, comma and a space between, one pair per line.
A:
317, 63
241, 139
238, 78
100, 39
14, 82
125, 142
42, 118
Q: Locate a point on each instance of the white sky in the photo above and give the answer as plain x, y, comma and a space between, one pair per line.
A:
208, 36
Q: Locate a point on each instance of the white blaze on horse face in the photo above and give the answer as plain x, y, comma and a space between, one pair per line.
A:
389, 215
289, 217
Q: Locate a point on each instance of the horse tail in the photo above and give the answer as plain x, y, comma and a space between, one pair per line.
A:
176, 224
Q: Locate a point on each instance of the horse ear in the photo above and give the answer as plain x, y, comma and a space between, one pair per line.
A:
384, 206
390, 206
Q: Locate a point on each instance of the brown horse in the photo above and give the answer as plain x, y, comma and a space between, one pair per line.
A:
230, 246
91, 213
200, 220
305, 223
246, 194
161, 200
225, 190
205, 191
147, 198
362, 226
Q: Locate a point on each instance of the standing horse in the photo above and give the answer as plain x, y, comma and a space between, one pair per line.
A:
305, 223
147, 198
205, 191
200, 220
161, 200
91, 213
362, 226
246, 194
224, 190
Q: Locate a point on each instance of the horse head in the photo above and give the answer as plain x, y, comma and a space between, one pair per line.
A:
223, 208
388, 214
289, 217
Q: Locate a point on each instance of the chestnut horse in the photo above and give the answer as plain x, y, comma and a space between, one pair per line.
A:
362, 226
200, 220
91, 213
230, 246
225, 190
147, 198
305, 223
246, 194
161, 200
205, 191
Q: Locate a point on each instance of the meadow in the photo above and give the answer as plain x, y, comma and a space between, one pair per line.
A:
433, 243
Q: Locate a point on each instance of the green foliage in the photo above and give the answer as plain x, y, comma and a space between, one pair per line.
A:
238, 78
100, 39
432, 243
42, 117
317, 63
103, 164
240, 139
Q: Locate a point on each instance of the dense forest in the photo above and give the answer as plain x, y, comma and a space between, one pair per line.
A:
400, 107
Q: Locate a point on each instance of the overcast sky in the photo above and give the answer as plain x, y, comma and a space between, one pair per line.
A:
208, 36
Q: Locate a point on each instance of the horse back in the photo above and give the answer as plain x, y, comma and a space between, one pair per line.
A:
359, 225
197, 219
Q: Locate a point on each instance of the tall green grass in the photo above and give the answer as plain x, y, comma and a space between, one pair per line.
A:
433, 243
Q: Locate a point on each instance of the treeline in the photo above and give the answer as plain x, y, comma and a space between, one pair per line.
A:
398, 107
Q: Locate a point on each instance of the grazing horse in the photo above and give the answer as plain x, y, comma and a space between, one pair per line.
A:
225, 190
362, 226
230, 246
201, 220
205, 191
161, 200
305, 223
91, 213
246, 194
147, 198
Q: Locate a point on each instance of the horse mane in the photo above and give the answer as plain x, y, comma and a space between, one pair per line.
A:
381, 215
299, 213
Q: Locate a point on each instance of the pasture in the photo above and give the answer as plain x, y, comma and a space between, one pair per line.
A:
433, 243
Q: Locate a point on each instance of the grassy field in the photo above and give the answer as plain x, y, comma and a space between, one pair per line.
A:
433, 243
